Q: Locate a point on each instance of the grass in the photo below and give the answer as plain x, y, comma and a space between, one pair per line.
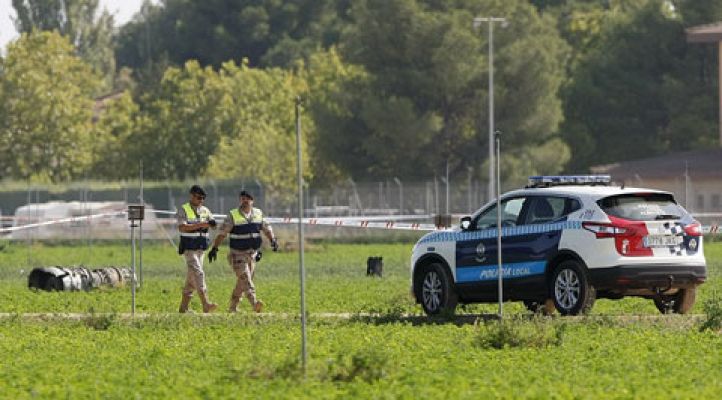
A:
105, 354
336, 280
224, 357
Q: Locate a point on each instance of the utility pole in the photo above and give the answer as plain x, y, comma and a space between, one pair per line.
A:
477, 23
302, 269
140, 231
500, 269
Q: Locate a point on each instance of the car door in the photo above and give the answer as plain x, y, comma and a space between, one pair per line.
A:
476, 254
538, 241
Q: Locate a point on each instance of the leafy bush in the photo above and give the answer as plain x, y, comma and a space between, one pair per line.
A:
99, 322
289, 369
517, 332
366, 365
713, 310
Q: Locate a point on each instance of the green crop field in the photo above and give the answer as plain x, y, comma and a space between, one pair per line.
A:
622, 350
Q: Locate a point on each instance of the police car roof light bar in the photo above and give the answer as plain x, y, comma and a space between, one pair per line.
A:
561, 180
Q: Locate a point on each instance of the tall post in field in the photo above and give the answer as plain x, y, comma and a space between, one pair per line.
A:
132, 267
477, 23
500, 269
135, 214
302, 269
140, 232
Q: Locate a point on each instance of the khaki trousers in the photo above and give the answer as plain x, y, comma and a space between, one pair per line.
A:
243, 263
195, 277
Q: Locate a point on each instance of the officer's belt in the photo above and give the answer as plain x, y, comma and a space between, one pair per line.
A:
244, 235
195, 234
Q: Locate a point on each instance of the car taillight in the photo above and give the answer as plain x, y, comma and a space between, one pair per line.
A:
628, 235
602, 230
693, 229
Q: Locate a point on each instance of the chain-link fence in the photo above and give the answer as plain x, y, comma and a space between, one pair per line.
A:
349, 198
392, 197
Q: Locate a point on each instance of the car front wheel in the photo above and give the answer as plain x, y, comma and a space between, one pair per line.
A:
570, 289
436, 290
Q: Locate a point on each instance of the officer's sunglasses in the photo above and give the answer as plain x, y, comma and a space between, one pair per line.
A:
199, 197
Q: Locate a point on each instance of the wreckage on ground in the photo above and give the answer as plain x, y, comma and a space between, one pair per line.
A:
77, 278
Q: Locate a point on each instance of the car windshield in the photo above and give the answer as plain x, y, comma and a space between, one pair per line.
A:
642, 206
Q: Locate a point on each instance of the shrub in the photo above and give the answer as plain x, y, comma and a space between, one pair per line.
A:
519, 333
713, 311
289, 368
367, 365
99, 322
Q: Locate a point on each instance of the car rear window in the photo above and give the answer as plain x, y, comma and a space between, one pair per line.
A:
642, 206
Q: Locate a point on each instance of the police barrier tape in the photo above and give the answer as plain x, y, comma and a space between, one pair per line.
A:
323, 219
379, 221
375, 222
407, 226
62, 221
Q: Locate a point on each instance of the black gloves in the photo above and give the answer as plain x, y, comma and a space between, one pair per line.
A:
212, 223
259, 254
213, 254
274, 244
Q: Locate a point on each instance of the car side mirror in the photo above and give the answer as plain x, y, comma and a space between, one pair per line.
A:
465, 223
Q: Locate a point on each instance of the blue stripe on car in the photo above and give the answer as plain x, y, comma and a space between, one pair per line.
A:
491, 272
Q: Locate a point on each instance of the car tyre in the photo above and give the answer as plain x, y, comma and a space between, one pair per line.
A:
570, 289
435, 290
678, 303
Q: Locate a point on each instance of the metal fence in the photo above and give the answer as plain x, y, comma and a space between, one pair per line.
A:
459, 195
389, 197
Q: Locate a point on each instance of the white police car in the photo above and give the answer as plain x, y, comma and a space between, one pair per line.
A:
566, 240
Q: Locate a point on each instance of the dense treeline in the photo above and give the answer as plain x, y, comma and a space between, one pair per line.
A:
389, 87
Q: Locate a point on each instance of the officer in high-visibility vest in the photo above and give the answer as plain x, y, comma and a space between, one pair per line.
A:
244, 225
194, 220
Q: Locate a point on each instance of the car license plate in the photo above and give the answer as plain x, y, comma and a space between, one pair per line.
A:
662, 240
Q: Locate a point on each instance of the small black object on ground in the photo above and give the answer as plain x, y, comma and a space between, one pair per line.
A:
374, 266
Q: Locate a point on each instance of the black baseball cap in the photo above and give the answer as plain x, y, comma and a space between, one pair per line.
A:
246, 194
197, 190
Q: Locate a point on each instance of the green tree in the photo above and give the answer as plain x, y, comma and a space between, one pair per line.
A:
336, 92
117, 120
266, 32
260, 140
424, 100
46, 104
698, 12
182, 123
639, 92
90, 32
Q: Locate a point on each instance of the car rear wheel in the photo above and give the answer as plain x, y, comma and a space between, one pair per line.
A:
678, 303
570, 289
436, 290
